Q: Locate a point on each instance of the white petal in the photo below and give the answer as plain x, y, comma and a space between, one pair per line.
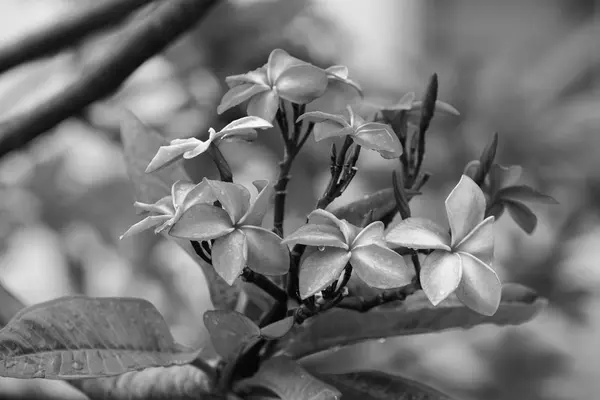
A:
380, 267
465, 207
419, 233
480, 241
480, 288
441, 273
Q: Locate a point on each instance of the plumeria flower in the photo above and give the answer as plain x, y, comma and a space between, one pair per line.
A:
341, 91
166, 211
461, 261
413, 108
370, 135
283, 77
240, 241
240, 129
338, 243
502, 192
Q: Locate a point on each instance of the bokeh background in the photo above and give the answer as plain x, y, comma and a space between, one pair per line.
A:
528, 69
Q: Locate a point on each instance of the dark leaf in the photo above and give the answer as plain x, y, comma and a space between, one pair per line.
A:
429, 103
401, 200
278, 329
522, 215
371, 385
524, 193
289, 381
416, 315
140, 146
81, 337
486, 160
230, 331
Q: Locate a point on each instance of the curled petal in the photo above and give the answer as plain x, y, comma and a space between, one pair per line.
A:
243, 128
234, 198
339, 71
371, 234
145, 224
317, 235
379, 137
179, 192
380, 267
321, 216
319, 116
264, 105
258, 209
320, 269
202, 222
471, 168
162, 206
479, 242
238, 94
326, 130
480, 288
465, 207
280, 61
171, 153
419, 233
257, 76
301, 84
266, 254
229, 255
201, 193
441, 273
501, 176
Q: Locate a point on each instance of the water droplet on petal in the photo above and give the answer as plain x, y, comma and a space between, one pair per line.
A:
321, 248
76, 365
382, 340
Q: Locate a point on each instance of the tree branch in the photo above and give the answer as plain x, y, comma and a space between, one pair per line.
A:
137, 45
71, 29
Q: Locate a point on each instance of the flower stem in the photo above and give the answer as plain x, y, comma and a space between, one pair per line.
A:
265, 284
220, 162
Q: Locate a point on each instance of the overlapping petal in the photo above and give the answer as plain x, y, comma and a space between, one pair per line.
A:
378, 137
301, 83
280, 61
320, 117
202, 222
321, 216
234, 198
480, 288
465, 207
162, 206
258, 209
257, 76
501, 176
145, 224
371, 234
419, 233
264, 105
441, 273
380, 267
230, 255
242, 128
171, 153
321, 268
266, 254
479, 242
317, 235
239, 94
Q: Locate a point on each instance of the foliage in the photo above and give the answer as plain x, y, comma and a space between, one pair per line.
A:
411, 268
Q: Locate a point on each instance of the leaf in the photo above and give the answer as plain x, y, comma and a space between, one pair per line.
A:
486, 160
522, 215
289, 381
277, 329
415, 315
230, 331
81, 337
524, 193
372, 385
140, 145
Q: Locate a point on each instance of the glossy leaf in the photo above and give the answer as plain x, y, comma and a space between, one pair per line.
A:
416, 315
373, 385
289, 381
278, 329
82, 337
230, 331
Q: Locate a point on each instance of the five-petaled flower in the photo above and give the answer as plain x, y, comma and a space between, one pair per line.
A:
338, 242
461, 261
502, 192
283, 77
239, 240
371, 135
166, 211
240, 129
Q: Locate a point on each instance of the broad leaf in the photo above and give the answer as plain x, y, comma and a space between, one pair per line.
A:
416, 315
82, 337
140, 145
230, 331
522, 215
371, 385
289, 381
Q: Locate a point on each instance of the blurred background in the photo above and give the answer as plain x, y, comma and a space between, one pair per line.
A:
528, 69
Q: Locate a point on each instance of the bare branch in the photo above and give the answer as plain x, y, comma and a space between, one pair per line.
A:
137, 44
68, 31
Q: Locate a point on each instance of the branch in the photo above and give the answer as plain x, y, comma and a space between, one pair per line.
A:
68, 31
137, 45
364, 304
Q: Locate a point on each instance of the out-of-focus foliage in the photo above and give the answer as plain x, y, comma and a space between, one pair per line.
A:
527, 69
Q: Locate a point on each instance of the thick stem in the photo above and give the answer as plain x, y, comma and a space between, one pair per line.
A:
265, 284
220, 162
364, 304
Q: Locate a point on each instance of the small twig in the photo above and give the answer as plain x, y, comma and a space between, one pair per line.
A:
131, 49
265, 284
332, 187
304, 312
364, 304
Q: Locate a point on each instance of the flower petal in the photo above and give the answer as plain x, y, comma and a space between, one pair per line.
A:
301, 83
320, 269
171, 153
234, 198
471, 168
320, 216
380, 267
145, 224
326, 130
379, 137
202, 222
441, 272
279, 61
524, 193
238, 94
501, 176
339, 71
479, 242
196, 151
465, 207
201, 193
319, 116
266, 254
257, 76
480, 288
264, 105
179, 192
419, 233
405, 103
258, 209
242, 128
522, 215
162, 206
317, 235
371, 234
229, 255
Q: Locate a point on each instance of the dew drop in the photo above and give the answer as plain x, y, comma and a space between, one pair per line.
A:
335, 349
321, 248
382, 340
39, 374
76, 365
